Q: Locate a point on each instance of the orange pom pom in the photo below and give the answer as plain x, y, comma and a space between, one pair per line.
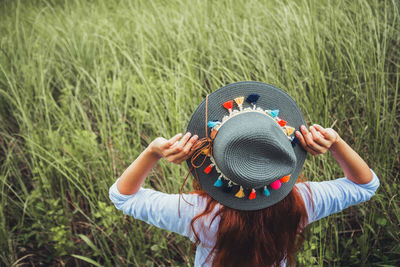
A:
285, 179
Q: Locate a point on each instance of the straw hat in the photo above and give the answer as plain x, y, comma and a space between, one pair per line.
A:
246, 157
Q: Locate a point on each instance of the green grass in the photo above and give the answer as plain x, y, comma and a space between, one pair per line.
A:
84, 86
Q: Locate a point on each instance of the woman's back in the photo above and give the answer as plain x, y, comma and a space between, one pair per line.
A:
161, 209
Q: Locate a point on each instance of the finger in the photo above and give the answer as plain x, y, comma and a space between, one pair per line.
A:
319, 138
301, 139
185, 152
304, 144
320, 129
188, 147
176, 158
178, 146
328, 133
183, 141
309, 140
173, 140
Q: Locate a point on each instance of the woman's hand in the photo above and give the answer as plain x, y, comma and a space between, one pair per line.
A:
174, 150
318, 140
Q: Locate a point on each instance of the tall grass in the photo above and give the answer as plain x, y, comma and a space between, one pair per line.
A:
85, 85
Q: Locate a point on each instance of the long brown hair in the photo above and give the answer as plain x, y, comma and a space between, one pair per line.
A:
255, 238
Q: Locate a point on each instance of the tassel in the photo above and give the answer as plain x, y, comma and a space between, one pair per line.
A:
209, 168
218, 182
213, 134
240, 193
274, 113
276, 185
228, 105
252, 194
295, 141
266, 191
281, 122
239, 102
252, 99
212, 124
289, 130
227, 188
285, 179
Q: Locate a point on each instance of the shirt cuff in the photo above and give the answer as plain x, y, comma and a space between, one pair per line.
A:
371, 185
115, 195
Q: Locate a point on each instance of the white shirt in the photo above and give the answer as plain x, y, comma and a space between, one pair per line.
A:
161, 209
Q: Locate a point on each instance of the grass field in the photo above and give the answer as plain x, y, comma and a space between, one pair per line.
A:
85, 85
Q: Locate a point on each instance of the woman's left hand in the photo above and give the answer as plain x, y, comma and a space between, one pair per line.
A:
174, 150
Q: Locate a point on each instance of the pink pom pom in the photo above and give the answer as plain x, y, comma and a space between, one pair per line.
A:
276, 185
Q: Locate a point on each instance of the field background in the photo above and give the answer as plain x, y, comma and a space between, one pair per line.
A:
85, 85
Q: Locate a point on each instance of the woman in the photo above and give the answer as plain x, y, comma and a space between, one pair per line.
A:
246, 157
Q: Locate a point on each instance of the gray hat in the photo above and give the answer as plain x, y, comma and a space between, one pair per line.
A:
247, 157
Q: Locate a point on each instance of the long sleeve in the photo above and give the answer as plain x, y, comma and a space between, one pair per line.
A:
333, 196
157, 208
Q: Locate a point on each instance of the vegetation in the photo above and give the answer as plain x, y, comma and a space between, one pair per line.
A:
85, 85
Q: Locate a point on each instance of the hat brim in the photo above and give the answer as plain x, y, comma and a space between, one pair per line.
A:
271, 98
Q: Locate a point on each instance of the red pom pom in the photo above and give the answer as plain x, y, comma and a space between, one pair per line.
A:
228, 105
252, 194
282, 122
208, 169
276, 185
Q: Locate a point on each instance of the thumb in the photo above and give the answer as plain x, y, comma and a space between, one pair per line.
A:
331, 134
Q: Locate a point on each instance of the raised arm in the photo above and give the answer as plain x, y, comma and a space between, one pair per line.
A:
153, 207
332, 196
319, 140
173, 150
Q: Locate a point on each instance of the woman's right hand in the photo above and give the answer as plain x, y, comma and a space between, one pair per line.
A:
318, 140
174, 150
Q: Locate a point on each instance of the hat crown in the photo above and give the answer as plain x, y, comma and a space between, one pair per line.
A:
252, 150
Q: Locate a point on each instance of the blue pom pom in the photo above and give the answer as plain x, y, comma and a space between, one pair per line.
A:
295, 141
212, 124
252, 98
274, 113
227, 189
218, 182
266, 191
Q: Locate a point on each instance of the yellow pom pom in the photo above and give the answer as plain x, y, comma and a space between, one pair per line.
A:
289, 130
239, 100
205, 151
240, 193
